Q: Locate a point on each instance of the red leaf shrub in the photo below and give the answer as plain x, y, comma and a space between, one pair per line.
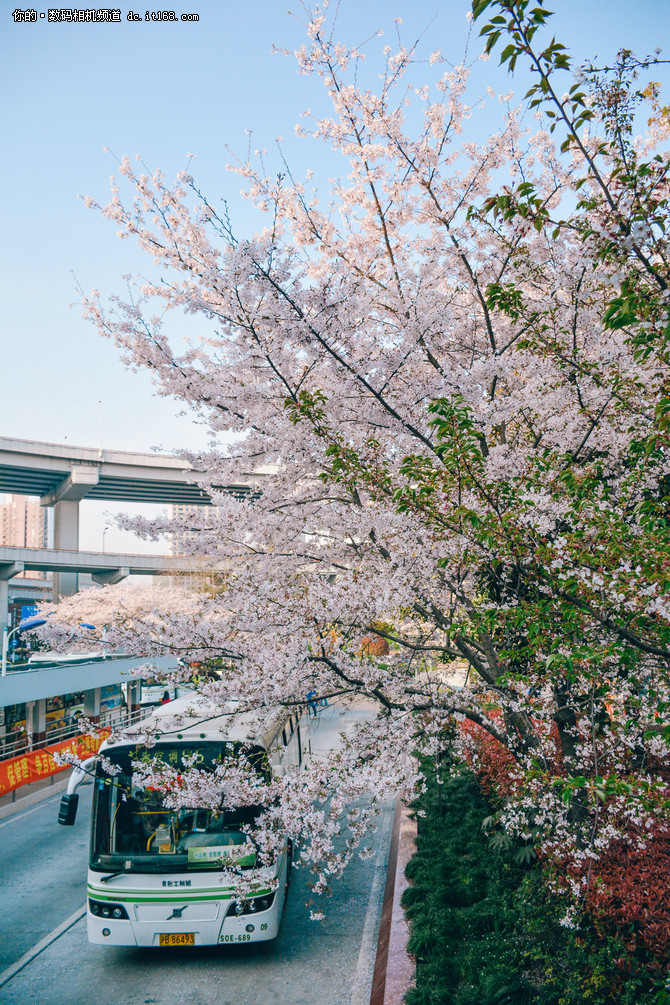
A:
628, 893
626, 889
492, 763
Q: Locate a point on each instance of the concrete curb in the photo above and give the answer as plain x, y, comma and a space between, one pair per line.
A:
395, 969
401, 967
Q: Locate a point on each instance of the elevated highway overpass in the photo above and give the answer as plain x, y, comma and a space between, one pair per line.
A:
64, 475
105, 567
59, 473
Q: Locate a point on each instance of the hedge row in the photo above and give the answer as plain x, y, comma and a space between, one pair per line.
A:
483, 927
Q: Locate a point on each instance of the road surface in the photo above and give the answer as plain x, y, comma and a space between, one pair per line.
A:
45, 958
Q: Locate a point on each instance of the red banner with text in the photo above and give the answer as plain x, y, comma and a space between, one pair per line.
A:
36, 764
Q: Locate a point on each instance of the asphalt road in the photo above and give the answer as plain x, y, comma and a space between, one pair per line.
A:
42, 883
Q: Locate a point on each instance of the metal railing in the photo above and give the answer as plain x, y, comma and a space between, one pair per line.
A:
18, 741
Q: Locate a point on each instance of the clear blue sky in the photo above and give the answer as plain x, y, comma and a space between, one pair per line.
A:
164, 90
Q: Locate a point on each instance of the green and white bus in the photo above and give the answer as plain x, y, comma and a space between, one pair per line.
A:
157, 876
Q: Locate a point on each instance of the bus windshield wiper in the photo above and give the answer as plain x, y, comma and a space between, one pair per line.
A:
106, 879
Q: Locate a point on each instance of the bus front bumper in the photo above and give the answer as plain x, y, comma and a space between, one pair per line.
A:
233, 930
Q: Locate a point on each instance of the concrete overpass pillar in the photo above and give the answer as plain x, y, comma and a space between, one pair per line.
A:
65, 500
110, 577
7, 571
66, 537
4, 605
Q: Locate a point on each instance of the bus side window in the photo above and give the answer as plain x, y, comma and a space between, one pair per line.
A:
283, 736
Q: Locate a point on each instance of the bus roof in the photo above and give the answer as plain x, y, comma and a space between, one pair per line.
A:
193, 718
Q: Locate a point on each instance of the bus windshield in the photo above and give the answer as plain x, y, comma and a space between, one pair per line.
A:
132, 830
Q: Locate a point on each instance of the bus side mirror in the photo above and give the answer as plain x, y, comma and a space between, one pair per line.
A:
67, 810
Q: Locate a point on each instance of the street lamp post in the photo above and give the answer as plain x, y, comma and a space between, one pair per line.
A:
23, 626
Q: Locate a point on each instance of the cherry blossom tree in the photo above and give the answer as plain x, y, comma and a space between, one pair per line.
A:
447, 378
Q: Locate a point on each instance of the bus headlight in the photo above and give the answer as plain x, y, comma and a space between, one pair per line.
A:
252, 906
101, 909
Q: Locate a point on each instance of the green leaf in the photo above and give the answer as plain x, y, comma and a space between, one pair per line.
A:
525, 855
478, 7
508, 51
491, 41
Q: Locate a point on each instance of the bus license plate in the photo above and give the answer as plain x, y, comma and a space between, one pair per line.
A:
177, 939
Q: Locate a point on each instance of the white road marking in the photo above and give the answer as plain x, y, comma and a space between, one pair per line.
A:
20, 816
360, 994
40, 946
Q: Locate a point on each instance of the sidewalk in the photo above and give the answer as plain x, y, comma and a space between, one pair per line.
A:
394, 969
